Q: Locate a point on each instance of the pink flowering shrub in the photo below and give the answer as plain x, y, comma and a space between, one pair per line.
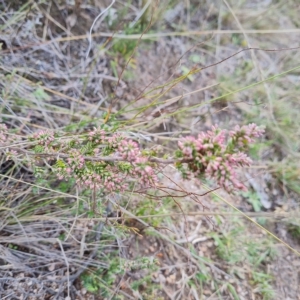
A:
44, 140
127, 162
129, 150
109, 161
217, 153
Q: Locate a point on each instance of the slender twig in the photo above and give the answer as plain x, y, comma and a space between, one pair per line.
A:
91, 29
101, 158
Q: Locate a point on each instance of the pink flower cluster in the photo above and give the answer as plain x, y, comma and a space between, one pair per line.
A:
206, 143
111, 182
143, 172
129, 150
216, 154
246, 134
109, 176
76, 159
97, 135
76, 166
44, 137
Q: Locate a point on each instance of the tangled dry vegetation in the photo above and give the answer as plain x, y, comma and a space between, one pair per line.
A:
156, 83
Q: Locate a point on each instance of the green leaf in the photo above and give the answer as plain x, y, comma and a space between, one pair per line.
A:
41, 94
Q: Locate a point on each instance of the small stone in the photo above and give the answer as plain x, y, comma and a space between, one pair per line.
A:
167, 272
209, 244
152, 248
206, 292
51, 267
171, 279
162, 278
204, 248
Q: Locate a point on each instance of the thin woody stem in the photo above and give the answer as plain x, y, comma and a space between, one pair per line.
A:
101, 158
